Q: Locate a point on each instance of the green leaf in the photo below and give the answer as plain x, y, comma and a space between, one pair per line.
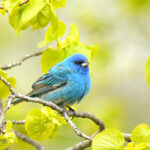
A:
42, 123
37, 13
44, 16
9, 126
72, 38
10, 4
58, 3
41, 44
7, 137
55, 31
31, 10
56, 118
4, 90
136, 146
109, 139
3, 11
38, 125
141, 134
147, 71
21, 17
49, 58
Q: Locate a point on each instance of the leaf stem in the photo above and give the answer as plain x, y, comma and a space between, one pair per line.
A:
22, 3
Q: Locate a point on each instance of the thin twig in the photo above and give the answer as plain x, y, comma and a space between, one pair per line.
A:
75, 129
19, 122
86, 143
2, 115
127, 137
28, 140
22, 3
79, 146
8, 84
19, 62
2, 7
1, 107
79, 114
90, 116
59, 109
10, 99
40, 101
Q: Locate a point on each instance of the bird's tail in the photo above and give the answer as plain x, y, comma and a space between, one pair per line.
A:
16, 101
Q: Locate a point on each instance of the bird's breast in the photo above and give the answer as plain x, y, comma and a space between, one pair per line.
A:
75, 89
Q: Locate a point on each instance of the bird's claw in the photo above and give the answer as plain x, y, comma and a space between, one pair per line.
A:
73, 112
70, 110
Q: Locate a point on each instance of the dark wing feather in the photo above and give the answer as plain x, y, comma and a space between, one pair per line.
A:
46, 83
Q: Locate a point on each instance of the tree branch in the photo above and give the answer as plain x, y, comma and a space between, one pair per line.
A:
20, 122
22, 3
88, 115
8, 84
77, 114
81, 145
1, 106
30, 141
2, 7
52, 105
19, 62
2, 115
75, 129
86, 143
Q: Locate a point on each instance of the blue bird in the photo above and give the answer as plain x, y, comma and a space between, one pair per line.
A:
65, 83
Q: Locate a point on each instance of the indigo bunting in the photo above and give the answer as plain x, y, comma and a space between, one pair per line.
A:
65, 83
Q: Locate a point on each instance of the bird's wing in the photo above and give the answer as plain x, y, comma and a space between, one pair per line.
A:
48, 82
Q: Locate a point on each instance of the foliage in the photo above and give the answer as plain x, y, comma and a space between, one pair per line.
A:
43, 123
34, 13
141, 136
113, 139
7, 137
55, 31
66, 48
108, 139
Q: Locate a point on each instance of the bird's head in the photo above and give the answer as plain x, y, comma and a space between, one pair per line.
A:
78, 62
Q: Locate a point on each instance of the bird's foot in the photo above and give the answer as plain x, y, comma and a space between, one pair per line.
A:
64, 110
72, 110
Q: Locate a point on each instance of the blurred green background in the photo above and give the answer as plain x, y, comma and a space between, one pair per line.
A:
119, 92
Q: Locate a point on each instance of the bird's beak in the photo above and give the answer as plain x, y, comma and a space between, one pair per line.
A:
85, 64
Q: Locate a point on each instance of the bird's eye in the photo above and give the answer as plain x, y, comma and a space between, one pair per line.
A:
78, 62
